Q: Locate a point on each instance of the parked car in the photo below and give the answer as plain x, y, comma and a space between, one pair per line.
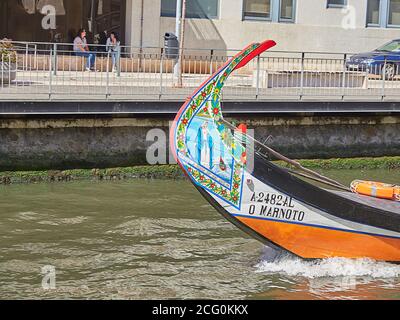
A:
384, 60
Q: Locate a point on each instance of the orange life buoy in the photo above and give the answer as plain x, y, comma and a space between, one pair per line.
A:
397, 193
376, 189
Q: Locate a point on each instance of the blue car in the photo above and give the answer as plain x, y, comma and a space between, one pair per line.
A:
374, 62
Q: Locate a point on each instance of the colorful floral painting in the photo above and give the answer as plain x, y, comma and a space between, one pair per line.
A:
212, 155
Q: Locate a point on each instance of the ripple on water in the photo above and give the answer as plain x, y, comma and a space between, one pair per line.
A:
47, 218
64, 221
31, 216
143, 227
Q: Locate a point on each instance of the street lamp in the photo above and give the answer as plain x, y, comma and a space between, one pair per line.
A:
180, 34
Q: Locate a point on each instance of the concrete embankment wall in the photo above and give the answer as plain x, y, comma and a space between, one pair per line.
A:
61, 143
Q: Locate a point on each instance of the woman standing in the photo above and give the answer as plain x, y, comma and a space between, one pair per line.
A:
113, 47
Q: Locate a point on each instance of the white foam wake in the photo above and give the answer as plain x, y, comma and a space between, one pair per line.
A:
332, 267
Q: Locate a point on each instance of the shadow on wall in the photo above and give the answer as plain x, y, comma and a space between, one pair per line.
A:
201, 37
200, 30
202, 33
205, 49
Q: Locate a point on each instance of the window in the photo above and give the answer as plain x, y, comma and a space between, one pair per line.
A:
373, 12
393, 46
273, 10
337, 3
394, 13
202, 9
286, 10
383, 13
257, 9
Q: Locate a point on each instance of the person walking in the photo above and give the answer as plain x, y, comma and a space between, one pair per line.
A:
81, 49
113, 48
103, 36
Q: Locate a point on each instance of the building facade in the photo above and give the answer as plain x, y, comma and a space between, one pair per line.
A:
296, 25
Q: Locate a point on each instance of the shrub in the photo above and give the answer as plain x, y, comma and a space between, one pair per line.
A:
7, 51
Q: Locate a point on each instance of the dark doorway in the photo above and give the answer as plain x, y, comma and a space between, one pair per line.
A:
21, 20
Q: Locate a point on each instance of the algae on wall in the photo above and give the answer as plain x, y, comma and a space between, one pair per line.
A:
174, 171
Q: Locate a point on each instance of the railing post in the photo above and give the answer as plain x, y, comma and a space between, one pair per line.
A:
26, 56
211, 62
36, 66
383, 79
55, 58
50, 73
118, 61
161, 72
2, 70
258, 77
344, 76
303, 55
108, 76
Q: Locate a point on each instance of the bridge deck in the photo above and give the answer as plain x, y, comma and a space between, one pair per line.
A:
133, 86
169, 108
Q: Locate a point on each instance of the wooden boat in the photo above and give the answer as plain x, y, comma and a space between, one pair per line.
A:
271, 203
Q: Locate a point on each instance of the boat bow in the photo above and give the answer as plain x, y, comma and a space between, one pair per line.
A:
199, 125
270, 203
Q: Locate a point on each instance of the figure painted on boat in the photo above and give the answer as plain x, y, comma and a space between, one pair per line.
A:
205, 146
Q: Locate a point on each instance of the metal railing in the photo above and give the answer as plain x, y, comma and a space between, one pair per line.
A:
54, 71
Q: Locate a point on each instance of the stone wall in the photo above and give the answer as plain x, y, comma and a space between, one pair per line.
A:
45, 144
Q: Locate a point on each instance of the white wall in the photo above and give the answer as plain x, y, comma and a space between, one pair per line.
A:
151, 22
316, 13
317, 28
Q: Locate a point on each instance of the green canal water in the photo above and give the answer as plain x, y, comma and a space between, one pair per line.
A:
144, 239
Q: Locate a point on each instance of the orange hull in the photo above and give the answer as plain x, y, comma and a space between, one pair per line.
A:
314, 242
